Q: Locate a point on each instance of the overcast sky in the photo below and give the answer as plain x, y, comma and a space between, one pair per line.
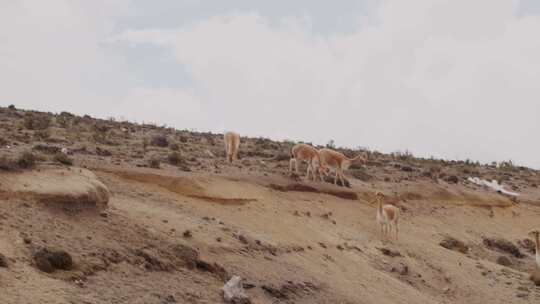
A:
448, 78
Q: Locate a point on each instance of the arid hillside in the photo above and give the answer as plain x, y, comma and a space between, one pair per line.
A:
101, 211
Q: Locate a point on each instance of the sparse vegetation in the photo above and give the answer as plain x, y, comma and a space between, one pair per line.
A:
63, 159
46, 149
145, 144
26, 160
175, 158
36, 121
7, 164
154, 163
42, 134
159, 141
145, 198
331, 144
174, 146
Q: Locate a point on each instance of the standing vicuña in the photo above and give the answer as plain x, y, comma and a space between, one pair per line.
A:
387, 216
535, 234
338, 161
303, 152
232, 142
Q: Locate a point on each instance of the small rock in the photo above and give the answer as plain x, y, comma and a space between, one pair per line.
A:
504, 261
389, 252
400, 268
407, 169
233, 292
27, 241
169, 299
503, 245
3, 261
454, 244
452, 179
187, 234
242, 239
48, 260
104, 214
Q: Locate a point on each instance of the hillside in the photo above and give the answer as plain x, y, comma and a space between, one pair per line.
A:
150, 214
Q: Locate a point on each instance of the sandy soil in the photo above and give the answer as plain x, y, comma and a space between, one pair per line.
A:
175, 236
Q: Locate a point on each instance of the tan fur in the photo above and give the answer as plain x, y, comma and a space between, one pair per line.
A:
232, 143
306, 153
338, 161
387, 217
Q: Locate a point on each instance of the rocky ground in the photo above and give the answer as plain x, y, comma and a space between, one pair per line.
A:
148, 214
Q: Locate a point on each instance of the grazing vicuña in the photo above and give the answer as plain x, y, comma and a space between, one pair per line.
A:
307, 153
232, 143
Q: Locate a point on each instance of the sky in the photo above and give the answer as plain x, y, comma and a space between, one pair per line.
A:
453, 79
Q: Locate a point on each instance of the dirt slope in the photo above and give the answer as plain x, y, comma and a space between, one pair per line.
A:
177, 233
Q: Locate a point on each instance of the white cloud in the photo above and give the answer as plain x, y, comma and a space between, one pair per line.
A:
438, 77
51, 57
449, 78
175, 107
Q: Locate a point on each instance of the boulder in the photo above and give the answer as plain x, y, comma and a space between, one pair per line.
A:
69, 187
49, 260
233, 292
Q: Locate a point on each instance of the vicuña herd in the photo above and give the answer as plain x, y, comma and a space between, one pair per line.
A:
319, 163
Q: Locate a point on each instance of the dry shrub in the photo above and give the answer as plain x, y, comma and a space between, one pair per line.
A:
159, 141
154, 163
36, 121
175, 159
503, 245
26, 160
63, 159
144, 144
174, 146
47, 149
451, 243
42, 134
7, 164
63, 121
